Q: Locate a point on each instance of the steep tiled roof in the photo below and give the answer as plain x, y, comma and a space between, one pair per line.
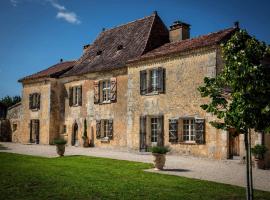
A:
135, 37
186, 45
53, 72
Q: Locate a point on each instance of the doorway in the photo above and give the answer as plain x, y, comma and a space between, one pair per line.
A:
34, 131
75, 138
234, 144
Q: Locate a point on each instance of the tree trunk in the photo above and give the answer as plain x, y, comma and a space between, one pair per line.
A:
250, 165
247, 167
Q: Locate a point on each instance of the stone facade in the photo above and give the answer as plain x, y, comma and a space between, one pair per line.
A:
68, 106
14, 115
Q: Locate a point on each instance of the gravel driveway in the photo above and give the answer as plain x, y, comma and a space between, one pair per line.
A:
222, 171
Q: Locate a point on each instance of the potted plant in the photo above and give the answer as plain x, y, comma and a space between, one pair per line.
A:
60, 146
159, 153
258, 151
84, 137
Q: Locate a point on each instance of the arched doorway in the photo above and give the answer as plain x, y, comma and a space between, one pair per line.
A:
74, 139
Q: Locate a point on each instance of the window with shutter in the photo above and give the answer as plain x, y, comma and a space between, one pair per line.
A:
98, 129
70, 96
181, 134
113, 89
161, 80
31, 132
200, 130
31, 101
143, 82
173, 130
150, 81
142, 132
38, 101
79, 95
110, 126
96, 92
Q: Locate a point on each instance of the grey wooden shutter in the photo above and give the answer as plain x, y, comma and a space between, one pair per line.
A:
80, 95
110, 134
149, 83
200, 130
142, 132
31, 133
113, 89
160, 135
98, 129
38, 101
143, 82
161, 79
173, 130
71, 96
31, 101
96, 92
37, 131
181, 130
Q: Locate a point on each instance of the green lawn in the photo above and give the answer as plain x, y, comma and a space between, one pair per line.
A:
81, 177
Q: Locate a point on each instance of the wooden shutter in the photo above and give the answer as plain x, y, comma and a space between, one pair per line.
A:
149, 84
71, 96
142, 132
110, 134
181, 130
38, 101
96, 92
161, 79
200, 130
98, 129
160, 135
143, 82
31, 101
31, 133
36, 127
173, 130
113, 89
80, 95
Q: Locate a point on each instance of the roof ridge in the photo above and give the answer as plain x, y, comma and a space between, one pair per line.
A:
106, 30
200, 36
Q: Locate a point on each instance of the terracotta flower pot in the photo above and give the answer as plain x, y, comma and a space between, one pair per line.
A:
85, 142
60, 148
159, 160
260, 164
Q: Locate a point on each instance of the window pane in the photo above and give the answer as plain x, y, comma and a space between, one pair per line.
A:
154, 80
154, 126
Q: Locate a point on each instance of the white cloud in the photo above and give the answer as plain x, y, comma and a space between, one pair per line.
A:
70, 17
63, 13
14, 2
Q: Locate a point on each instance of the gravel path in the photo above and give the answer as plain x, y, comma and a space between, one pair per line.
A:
222, 171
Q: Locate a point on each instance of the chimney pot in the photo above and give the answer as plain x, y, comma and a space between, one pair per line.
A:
179, 31
236, 24
61, 60
86, 47
154, 12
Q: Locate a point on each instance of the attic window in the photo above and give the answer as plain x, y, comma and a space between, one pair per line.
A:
99, 53
119, 47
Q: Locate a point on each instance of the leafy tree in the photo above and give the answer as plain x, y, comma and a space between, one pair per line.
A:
240, 94
10, 101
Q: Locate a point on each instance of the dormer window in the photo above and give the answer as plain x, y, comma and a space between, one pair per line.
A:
119, 47
99, 52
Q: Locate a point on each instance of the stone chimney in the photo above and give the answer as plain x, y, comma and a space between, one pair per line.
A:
85, 48
179, 31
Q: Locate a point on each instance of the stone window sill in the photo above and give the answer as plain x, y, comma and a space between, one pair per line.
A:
105, 140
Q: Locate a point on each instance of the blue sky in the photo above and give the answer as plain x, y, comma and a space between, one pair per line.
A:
35, 34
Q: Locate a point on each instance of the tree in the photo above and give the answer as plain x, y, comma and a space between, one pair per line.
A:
240, 94
10, 101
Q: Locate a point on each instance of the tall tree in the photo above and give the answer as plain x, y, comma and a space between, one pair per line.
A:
240, 94
10, 101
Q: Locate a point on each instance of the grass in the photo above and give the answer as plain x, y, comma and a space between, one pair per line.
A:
81, 177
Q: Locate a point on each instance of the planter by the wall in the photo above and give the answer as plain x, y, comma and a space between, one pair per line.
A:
260, 163
60, 149
85, 142
159, 160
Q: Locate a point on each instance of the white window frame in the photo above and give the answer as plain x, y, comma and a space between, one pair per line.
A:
189, 130
75, 98
106, 91
154, 80
154, 129
105, 128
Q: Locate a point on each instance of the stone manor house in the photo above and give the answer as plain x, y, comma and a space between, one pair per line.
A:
134, 87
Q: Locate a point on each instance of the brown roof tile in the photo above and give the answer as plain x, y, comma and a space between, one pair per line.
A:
185, 45
136, 38
53, 72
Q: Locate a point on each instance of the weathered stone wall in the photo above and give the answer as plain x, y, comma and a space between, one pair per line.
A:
43, 114
92, 112
14, 115
184, 74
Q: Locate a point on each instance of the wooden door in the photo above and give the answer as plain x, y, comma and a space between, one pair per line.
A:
234, 148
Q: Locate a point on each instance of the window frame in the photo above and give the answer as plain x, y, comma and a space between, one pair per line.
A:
35, 101
106, 91
189, 130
